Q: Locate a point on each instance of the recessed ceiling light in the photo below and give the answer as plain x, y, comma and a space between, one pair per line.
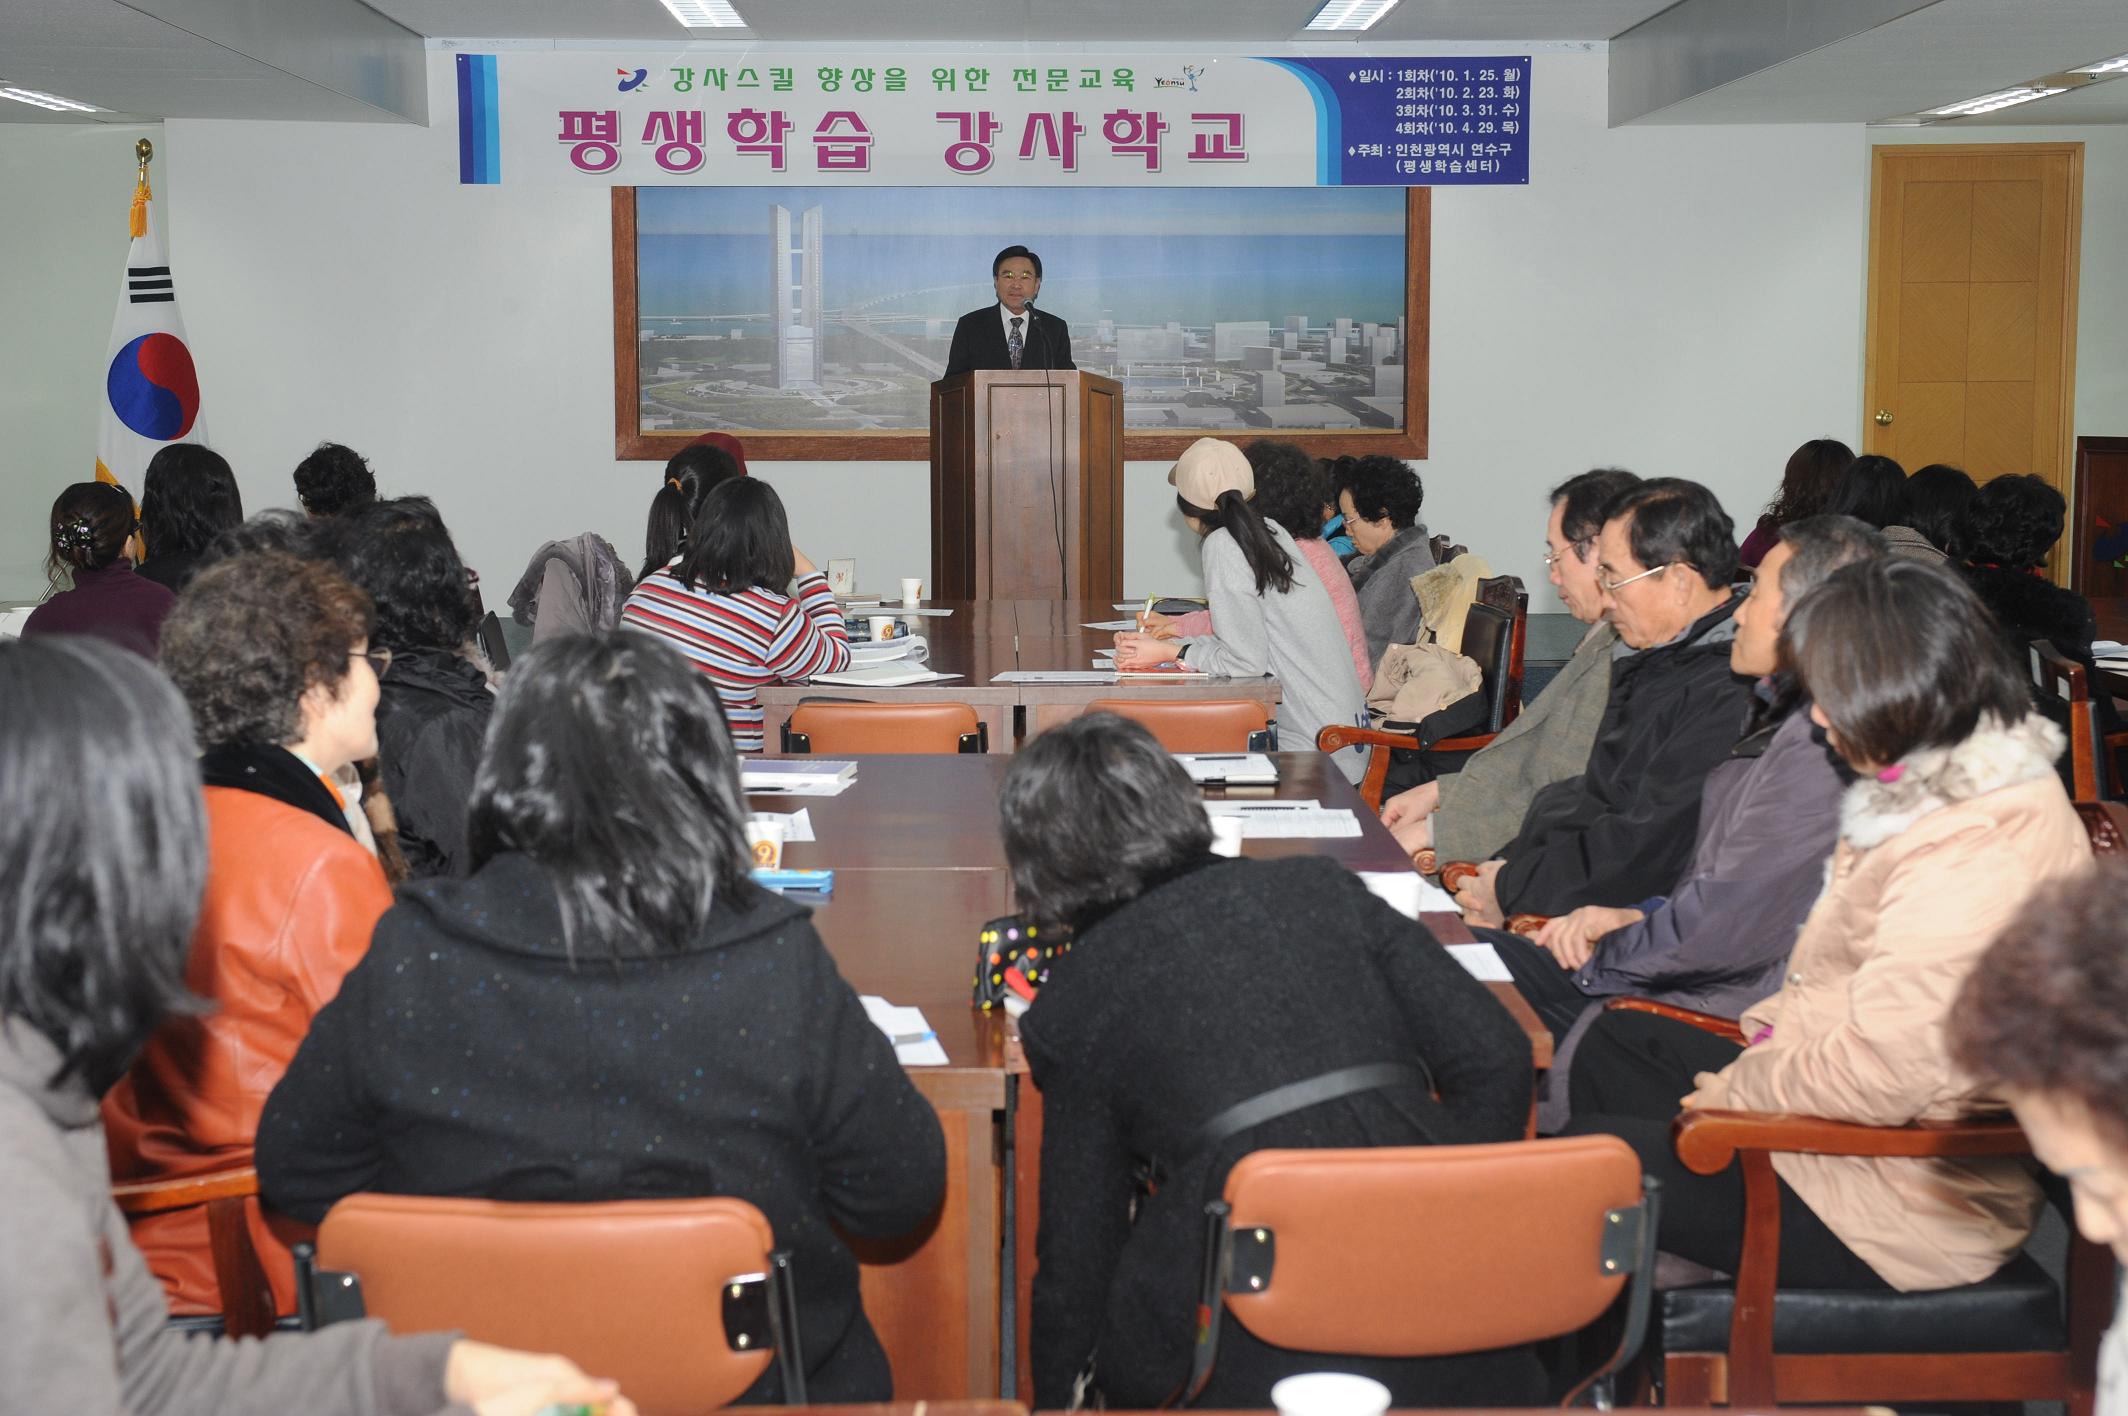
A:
36, 99
2114, 65
2001, 98
1350, 14
705, 14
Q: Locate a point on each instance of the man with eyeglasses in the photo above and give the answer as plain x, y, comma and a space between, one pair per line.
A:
1622, 831
1471, 814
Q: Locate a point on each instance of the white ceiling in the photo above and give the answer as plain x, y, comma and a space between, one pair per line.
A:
120, 56
1022, 21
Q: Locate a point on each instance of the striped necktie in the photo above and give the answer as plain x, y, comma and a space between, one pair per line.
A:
1014, 342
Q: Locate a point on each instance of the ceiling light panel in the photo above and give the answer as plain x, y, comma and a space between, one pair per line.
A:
38, 99
1993, 102
705, 14
1350, 14
2117, 64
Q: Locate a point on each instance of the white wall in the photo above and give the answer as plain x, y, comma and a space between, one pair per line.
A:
1682, 301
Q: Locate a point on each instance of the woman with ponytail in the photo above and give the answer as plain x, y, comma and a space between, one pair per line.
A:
92, 527
689, 477
1270, 611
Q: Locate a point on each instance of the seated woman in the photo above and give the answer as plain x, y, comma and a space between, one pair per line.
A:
690, 476
1291, 490
92, 529
101, 900
2043, 1022
188, 496
2008, 528
434, 702
1272, 612
629, 1015
1932, 504
1955, 821
1806, 490
1380, 503
1872, 490
272, 654
743, 604
1183, 995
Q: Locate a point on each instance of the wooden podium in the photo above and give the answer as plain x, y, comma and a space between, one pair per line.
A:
1026, 486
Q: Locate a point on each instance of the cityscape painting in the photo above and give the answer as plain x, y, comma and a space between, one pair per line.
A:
829, 310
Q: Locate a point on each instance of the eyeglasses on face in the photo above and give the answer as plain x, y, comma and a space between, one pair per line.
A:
1612, 587
1578, 548
379, 659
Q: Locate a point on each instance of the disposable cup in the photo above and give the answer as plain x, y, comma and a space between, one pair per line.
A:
1226, 835
882, 627
912, 589
1329, 1394
764, 838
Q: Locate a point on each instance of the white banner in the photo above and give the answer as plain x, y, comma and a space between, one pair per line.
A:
692, 117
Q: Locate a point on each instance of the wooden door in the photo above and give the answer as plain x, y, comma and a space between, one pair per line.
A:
1971, 357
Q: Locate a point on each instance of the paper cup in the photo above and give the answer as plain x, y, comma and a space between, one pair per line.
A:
764, 839
1329, 1394
912, 590
882, 627
1226, 835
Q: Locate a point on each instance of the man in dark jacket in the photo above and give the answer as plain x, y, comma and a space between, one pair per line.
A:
1623, 829
1718, 941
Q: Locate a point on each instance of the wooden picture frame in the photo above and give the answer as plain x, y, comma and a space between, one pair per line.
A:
632, 444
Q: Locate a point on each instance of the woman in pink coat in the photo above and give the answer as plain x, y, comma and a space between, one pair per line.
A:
1955, 819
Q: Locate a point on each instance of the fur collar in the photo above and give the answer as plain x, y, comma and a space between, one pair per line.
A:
1996, 756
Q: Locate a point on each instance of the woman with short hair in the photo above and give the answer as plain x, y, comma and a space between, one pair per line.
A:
1807, 484
92, 528
1956, 819
743, 604
101, 900
1183, 995
188, 496
1271, 612
272, 655
609, 1008
434, 701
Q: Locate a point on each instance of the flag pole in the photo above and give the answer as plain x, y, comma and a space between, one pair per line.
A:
145, 151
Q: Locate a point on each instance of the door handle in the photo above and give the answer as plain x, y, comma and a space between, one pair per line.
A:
1884, 417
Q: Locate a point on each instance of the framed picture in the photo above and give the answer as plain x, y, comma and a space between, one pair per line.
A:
811, 321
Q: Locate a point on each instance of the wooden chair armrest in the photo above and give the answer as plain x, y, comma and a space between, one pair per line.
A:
1456, 873
1705, 1022
1339, 735
158, 1196
1424, 861
1527, 924
1469, 742
1707, 1141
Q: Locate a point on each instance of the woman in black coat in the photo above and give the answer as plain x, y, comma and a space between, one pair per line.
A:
1196, 983
609, 1009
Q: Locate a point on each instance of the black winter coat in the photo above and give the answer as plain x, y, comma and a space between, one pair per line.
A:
467, 1055
432, 715
2026, 608
1237, 977
1623, 830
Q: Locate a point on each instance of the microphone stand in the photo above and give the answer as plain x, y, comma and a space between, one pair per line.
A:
1050, 452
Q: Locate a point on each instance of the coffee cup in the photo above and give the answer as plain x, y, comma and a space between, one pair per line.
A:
912, 589
1226, 835
1329, 1394
883, 627
764, 841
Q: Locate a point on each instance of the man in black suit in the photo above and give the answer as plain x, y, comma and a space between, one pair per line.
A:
1010, 334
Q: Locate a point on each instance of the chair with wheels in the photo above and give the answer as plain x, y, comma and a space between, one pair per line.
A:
684, 1302
1198, 724
1426, 1251
853, 727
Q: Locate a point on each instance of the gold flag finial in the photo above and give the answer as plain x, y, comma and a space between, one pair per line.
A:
145, 151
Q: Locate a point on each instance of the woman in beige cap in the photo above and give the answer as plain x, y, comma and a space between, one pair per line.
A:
1270, 612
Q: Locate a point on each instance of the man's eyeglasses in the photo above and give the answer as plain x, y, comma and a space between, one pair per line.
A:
1576, 548
379, 659
1612, 587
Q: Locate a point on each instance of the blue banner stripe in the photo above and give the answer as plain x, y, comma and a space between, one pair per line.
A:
1329, 144
479, 135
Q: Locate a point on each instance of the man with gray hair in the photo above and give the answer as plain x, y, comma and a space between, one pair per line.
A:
1719, 941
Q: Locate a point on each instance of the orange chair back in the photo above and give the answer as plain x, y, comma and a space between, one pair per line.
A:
643, 1291
1192, 724
1422, 1251
843, 728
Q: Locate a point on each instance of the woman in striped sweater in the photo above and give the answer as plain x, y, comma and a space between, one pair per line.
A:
743, 604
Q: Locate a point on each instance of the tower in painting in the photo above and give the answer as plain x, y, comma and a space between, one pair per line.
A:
794, 296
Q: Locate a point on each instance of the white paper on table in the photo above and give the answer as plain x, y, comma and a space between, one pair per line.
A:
894, 673
1128, 605
822, 789
1110, 624
12, 620
797, 825
1408, 892
922, 1049
903, 607
1053, 676
1264, 820
1481, 962
2108, 648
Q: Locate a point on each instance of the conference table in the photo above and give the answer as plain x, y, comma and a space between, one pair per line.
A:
919, 867
983, 638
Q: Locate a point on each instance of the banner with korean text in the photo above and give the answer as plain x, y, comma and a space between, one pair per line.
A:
760, 118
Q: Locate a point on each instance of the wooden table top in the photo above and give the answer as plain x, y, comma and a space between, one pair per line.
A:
920, 866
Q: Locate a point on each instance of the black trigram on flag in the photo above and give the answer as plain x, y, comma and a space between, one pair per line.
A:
149, 285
